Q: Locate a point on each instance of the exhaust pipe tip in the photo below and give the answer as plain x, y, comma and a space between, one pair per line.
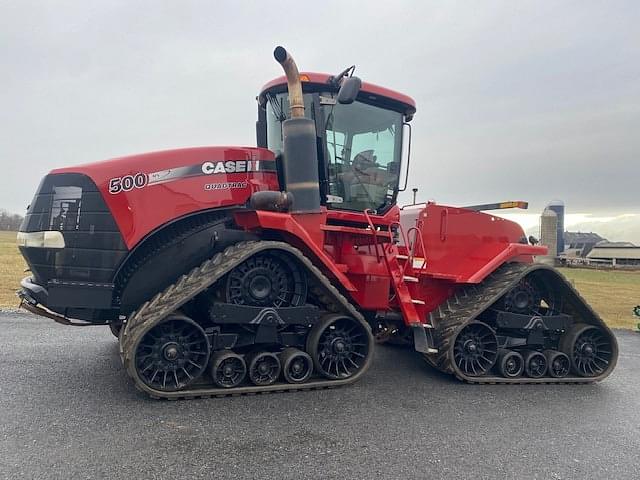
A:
294, 87
280, 54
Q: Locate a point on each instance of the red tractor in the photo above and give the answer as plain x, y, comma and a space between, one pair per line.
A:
229, 270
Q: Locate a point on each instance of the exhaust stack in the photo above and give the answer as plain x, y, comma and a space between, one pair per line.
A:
294, 86
300, 154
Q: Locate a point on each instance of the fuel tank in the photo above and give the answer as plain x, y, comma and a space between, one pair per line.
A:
462, 245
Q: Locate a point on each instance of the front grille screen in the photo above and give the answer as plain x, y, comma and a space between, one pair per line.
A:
65, 208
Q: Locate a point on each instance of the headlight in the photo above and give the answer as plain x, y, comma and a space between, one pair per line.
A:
49, 239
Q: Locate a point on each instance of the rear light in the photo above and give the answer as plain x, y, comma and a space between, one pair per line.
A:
48, 239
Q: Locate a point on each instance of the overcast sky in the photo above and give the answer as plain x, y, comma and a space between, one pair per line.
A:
516, 100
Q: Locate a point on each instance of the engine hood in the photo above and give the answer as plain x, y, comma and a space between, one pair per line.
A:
146, 191
104, 170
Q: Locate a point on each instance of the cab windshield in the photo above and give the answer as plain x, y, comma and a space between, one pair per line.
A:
362, 149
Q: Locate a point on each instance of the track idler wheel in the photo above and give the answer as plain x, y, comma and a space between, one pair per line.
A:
297, 366
510, 364
228, 369
172, 354
589, 349
264, 368
558, 363
475, 349
340, 346
535, 364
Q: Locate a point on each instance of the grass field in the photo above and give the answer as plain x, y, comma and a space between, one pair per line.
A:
612, 294
11, 269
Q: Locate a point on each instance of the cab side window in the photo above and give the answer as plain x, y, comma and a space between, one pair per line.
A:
363, 154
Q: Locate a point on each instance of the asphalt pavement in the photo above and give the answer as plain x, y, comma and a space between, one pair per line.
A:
68, 410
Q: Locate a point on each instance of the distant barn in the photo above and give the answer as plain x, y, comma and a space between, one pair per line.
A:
579, 244
615, 254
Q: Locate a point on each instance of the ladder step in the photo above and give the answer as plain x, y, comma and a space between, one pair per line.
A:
410, 279
417, 302
402, 257
421, 342
428, 326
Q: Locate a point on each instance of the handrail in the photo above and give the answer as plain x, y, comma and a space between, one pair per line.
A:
375, 233
405, 240
417, 235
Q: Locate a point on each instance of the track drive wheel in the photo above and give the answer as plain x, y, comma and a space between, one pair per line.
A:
264, 368
589, 349
510, 363
535, 364
475, 349
340, 346
532, 296
268, 279
172, 354
297, 366
228, 369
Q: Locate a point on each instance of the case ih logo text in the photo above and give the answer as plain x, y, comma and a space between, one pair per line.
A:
141, 180
230, 166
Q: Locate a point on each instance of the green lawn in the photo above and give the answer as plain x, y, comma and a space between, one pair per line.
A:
613, 294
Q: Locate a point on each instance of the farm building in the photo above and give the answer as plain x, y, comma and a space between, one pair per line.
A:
579, 244
616, 254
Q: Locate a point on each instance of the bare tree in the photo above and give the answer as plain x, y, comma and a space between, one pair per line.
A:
9, 221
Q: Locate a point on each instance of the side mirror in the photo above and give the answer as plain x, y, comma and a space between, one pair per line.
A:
349, 88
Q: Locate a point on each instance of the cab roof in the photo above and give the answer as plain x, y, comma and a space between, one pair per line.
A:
374, 93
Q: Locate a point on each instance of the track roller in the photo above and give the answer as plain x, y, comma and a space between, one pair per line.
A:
535, 364
589, 349
510, 363
264, 368
558, 363
475, 349
228, 369
340, 346
297, 366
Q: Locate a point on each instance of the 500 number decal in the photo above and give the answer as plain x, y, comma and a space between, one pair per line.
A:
128, 183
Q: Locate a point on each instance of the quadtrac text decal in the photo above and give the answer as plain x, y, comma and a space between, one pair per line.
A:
141, 180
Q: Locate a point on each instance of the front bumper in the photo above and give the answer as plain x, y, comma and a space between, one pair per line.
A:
63, 301
32, 293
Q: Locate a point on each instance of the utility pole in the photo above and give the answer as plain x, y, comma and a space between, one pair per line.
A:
415, 192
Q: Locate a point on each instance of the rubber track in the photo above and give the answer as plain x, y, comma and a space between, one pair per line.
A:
199, 279
471, 300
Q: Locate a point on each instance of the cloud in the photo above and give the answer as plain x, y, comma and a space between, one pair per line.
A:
615, 228
516, 100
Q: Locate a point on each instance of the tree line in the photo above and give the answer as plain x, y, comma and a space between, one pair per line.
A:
10, 221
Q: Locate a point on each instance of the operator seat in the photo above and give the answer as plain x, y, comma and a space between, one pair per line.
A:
368, 181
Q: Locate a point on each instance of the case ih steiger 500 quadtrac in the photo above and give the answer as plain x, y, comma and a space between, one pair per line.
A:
237, 270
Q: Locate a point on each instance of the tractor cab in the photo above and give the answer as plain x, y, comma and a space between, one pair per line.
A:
361, 141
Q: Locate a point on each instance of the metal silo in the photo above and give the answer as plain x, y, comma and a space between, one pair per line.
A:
558, 207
